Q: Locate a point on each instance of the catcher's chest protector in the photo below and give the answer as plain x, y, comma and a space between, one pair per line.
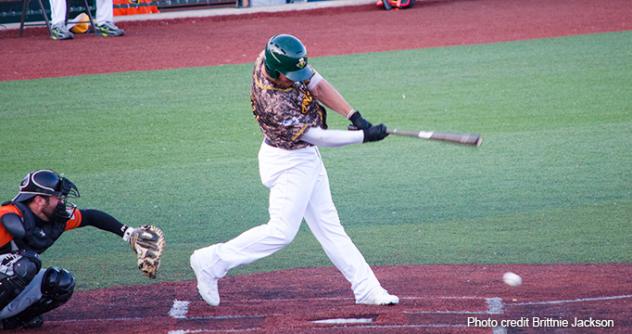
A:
39, 235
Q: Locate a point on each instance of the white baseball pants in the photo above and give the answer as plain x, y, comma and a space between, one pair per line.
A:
105, 11
299, 188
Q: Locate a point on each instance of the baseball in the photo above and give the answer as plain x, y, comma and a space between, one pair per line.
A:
512, 279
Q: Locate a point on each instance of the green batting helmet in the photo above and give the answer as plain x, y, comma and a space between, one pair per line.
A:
286, 54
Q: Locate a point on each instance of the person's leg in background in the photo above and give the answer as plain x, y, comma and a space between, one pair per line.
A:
58, 29
105, 20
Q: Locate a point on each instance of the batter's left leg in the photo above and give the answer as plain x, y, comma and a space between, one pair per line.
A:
322, 217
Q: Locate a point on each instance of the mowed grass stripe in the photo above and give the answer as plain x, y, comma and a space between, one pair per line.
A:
178, 148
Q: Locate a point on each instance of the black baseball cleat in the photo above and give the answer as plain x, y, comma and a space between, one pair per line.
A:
14, 323
35, 322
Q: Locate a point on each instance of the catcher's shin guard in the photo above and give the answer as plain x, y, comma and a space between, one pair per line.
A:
16, 272
57, 287
58, 284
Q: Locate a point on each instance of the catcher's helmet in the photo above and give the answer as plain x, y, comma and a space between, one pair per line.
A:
45, 182
286, 54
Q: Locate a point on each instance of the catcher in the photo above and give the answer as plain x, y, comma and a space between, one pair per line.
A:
30, 224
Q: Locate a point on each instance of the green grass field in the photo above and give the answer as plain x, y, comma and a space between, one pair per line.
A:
551, 183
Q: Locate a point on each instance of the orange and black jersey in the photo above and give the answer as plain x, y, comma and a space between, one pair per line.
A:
40, 235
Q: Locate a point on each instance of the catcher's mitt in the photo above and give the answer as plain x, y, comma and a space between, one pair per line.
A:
148, 242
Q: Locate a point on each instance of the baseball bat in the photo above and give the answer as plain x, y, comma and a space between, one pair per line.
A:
455, 138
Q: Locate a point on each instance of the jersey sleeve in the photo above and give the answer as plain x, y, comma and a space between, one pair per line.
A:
102, 221
74, 221
314, 80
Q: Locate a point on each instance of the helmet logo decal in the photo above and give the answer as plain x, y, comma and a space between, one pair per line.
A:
301, 63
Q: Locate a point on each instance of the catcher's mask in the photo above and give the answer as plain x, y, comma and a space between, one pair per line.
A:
286, 54
48, 183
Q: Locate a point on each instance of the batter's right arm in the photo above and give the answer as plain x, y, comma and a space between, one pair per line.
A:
327, 94
337, 138
332, 138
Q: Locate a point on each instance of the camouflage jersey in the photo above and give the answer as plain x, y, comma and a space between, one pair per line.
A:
284, 113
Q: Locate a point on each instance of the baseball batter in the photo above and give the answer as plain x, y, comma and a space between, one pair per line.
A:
285, 96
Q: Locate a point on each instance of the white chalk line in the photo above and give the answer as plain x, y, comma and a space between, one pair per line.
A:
329, 299
192, 331
179, 309
400, 326
490, 309
502, 330
104, 319
499, 330
569, 301
447, 312
441, 297
495, 305
343, 321
229, 317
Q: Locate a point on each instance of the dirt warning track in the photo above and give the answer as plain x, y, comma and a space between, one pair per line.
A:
213, 41
434, 299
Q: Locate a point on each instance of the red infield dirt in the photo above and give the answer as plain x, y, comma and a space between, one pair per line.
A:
228, 40
434, 298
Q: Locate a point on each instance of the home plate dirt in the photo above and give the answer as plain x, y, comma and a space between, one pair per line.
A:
433, 299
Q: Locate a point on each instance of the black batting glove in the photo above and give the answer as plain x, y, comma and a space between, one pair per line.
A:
359, 123
375, 133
